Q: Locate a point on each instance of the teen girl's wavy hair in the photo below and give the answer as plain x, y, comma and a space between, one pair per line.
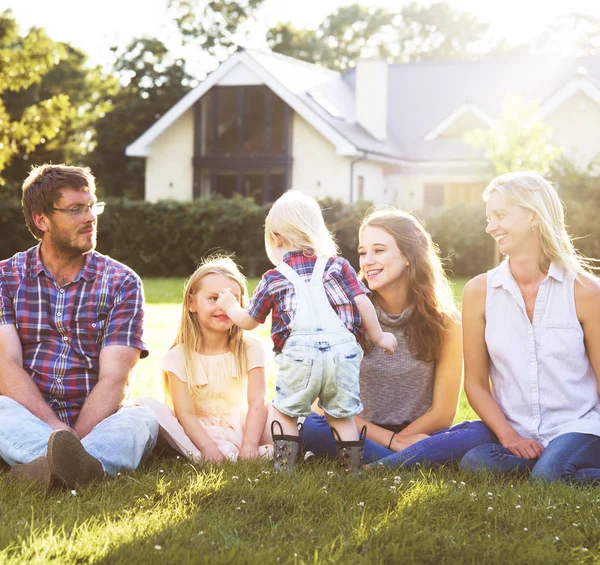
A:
532, 191
189, 333
430, 292
297, 219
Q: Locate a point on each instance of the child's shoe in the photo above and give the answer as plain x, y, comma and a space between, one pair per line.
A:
285, 449
350, 454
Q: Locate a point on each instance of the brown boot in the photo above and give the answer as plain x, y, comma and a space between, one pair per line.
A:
37, 471
69, 462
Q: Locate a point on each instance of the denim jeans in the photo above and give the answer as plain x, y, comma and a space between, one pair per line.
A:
445, 446
572, 457
119, 442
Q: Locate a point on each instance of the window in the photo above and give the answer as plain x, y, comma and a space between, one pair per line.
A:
241, 143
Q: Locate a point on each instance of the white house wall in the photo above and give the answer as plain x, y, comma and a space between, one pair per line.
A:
169, 170
320, 172
410, 195
575, 126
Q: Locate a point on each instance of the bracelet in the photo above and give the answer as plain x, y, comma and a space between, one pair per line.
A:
391, 439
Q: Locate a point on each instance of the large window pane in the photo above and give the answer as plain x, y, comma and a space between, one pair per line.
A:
278, 125
254, 120
227, 120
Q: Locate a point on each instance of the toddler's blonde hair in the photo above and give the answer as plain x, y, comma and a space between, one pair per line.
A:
297, 219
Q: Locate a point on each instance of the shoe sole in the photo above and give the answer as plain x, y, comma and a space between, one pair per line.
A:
70, 462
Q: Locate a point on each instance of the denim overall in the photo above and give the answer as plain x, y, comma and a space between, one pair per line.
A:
321, 357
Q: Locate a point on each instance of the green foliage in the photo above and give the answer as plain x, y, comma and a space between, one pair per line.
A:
459, 232
23, 63
519, 141
169, 239
88, 90
151, 82
413, 33
580, 192
212, 24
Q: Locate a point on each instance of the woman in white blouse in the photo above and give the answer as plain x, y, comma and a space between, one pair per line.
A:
531, 330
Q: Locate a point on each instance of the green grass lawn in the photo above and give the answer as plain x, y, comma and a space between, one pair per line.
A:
170, 511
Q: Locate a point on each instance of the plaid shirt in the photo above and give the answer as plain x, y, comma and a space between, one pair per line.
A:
275, 293
62, 330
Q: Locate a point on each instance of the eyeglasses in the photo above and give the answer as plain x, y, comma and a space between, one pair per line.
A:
82, 209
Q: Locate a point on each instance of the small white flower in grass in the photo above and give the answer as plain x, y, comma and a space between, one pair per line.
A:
255, 480
201, 533
584, 549
74, 492
398, 479
549, 517
576, 525
330, 473
118, 474
361, 503
462, 483
490, 508
249, 480
518, 506
490, 494
160, 471
392, 488
235, 477
454, 482
238, 508
524, 529
556, 538
578, 507
158, 547
243, 502
266, 472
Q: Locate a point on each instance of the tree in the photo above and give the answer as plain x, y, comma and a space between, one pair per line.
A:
23, 62
574, 35
342, 37
212, 24
88, 90
151, 82
416, 32
518, 141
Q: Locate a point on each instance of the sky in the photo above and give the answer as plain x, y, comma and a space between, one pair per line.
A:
95, 25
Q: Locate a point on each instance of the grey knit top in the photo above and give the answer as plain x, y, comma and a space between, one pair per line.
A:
395, 389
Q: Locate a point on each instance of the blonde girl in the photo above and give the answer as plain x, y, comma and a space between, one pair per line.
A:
213, 375
532, 329
319, 309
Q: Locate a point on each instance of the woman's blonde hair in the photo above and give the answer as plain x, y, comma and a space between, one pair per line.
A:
297, 219
429, 289
530, 190
189, 333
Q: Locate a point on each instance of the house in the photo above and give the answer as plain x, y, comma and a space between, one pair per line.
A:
393, 134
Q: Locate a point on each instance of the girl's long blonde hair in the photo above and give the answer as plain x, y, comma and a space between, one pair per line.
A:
189, 333
532, 191
297, 219
429, 289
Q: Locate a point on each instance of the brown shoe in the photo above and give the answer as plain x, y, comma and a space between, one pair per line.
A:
69, 462
37, 471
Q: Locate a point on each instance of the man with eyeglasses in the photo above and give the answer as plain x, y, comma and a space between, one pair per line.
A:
70, 335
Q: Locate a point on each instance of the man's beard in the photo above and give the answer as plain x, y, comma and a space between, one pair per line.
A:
69, 246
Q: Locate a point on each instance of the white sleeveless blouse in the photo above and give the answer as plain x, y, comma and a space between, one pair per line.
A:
540, 372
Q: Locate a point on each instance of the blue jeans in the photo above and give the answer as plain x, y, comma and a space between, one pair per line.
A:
442, 447
119, 442
572, 457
